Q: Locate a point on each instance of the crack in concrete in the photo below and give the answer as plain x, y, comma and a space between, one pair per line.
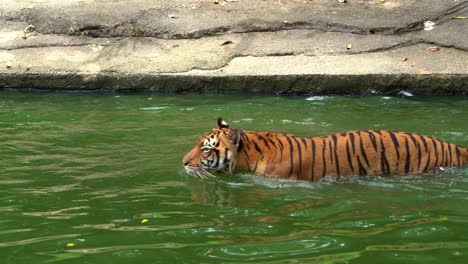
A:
377, 50
48, 46
323, 26
407, 44
440, 19
132, 29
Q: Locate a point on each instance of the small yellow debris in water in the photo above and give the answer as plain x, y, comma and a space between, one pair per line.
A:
70, 244
444, 218
350, 46
8, 64
144, 221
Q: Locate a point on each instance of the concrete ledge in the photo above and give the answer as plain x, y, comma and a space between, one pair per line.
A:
356, 48
371, 84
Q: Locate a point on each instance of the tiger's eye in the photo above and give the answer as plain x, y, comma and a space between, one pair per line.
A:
206, 148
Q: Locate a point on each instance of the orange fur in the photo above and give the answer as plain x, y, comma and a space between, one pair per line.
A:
353, 153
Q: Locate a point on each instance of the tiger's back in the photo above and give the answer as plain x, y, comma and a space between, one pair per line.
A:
350, 154
354, 153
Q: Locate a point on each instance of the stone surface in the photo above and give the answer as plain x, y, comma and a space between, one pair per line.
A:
282, 46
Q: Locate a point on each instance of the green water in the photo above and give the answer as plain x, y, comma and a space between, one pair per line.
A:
88, 168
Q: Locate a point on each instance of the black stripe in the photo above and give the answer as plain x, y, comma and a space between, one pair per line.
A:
246, 138
450, 154
372, 138
383, 159
256, 165
304, 142
257, 148
427, 163
313, 158
260, 137
281, 147
299, 152
378, 132
407, 162
396, 145
291, 155
351, 136
241, 146
435, 152
323, 157
457, 152
240, 149
331, 154
363, 152
348, 154
442, 147
416, 144
269, 140
362, 171
337, 163
226, 160
217, 157
242, 133
446, 154
423, 139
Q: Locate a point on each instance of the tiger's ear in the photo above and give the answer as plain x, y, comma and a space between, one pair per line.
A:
222, 124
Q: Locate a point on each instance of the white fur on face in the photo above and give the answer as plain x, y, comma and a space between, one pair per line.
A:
210, 142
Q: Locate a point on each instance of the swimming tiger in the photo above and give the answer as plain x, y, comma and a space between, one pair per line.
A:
371, 152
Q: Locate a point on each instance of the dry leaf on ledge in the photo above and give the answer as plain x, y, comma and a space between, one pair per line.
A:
433, 48
227, 42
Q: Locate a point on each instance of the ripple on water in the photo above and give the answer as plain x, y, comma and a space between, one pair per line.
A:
50, 190
14, 181
36, 240
318, 98
262, 251
423, 231
66, 213
153, 108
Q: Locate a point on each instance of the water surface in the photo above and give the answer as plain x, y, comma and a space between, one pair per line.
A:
88, 168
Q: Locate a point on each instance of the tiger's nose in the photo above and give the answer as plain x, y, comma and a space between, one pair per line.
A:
185, 162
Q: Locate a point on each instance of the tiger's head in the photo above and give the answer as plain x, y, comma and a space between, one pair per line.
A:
214, 152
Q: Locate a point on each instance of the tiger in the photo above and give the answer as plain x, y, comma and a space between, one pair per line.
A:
286, 156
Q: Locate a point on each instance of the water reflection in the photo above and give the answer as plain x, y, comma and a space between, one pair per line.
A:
218, 193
